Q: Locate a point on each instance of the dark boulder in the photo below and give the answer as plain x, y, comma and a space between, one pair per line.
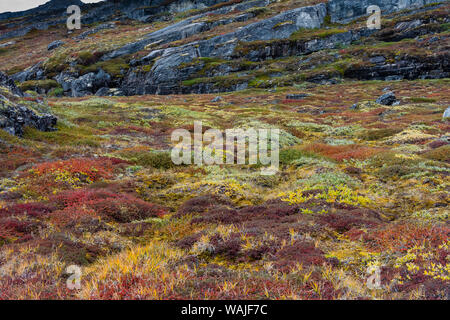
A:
83, 85
378, 60
65, 79
103, 92
8, 83
387, 99
101, 27
54, 45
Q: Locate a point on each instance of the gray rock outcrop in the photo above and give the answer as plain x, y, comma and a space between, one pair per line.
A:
89, 83
54, 45
13, 117
164, 70
35, 72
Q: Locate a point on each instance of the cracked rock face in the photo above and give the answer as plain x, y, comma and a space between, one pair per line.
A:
99, 28
387, 99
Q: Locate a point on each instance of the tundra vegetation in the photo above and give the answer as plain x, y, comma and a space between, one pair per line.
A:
360, 184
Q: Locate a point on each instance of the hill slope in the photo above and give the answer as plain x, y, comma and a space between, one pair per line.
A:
87, 178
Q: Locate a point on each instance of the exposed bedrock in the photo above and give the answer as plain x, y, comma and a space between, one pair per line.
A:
9, 84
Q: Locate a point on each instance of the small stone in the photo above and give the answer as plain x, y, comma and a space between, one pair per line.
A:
446, 114
217, 99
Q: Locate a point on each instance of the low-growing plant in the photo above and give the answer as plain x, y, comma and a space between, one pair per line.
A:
377, 134
36, 85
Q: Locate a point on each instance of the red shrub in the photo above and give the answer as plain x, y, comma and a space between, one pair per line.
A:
114, 161
131, 130
343, 221
13, 157
202, 204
